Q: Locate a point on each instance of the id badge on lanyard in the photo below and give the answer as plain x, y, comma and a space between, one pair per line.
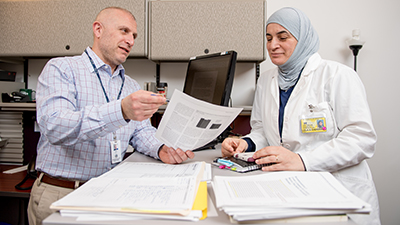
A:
115, 145
115, 150
313, 122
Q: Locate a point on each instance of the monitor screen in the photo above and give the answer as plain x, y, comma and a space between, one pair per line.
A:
210, 77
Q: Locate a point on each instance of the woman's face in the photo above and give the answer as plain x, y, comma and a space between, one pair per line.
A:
280, 43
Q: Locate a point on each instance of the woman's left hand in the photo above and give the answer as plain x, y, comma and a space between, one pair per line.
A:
282, 158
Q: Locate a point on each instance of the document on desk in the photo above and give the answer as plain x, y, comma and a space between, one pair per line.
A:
189, 123
276, 195
155, 170
141, 188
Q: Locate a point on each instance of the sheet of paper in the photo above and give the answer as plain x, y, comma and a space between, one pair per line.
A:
278, 195
279, 213
154, 170
207, 176
139, 187
194, 215
16, 170
318, 190
130, 194
189, 123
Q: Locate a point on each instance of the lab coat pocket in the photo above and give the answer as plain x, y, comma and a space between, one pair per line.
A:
319, 121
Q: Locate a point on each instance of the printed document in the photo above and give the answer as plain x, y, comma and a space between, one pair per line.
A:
284, 194
189, 123
150, 188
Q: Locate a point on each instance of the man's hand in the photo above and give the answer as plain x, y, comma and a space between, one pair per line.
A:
141, 105
172, 156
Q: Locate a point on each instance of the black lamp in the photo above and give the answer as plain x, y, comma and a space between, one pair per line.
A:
355, 44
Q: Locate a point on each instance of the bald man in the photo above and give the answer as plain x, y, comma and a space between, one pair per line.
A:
89, 111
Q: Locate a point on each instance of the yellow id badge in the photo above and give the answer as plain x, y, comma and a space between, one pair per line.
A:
313, 125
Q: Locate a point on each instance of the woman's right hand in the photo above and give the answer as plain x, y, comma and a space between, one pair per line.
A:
230, 146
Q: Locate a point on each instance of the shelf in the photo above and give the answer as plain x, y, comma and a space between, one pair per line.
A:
17, 106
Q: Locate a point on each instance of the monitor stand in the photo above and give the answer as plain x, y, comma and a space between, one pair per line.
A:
213, 143
210, 145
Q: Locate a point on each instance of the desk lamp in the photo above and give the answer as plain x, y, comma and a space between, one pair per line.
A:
355, 44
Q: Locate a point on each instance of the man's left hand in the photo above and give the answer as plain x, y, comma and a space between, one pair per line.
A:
172, 156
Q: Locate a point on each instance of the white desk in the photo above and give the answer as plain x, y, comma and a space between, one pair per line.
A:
205, 155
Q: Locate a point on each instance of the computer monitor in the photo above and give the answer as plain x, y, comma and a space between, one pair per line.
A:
210, 77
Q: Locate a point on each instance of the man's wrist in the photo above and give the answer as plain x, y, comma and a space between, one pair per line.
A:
126, 118
122, 110
158, 152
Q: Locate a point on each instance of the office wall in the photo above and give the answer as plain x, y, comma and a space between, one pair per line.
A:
377, 67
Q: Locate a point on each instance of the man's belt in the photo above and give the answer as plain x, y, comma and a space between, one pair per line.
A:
60, 182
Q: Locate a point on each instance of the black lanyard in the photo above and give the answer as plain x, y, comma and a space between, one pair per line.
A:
98, 76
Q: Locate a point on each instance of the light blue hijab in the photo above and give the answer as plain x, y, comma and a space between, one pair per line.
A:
298, 24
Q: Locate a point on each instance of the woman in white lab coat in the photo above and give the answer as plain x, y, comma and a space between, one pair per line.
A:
310, 114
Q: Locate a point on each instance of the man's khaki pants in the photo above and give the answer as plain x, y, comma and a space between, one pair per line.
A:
42, 196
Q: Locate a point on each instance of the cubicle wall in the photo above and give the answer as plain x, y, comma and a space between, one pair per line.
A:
176, 31
179, 30
50, 28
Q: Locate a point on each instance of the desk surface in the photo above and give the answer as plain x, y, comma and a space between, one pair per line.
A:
205, 155
8, 182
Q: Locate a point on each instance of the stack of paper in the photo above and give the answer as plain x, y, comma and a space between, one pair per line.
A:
278, 195
140, 191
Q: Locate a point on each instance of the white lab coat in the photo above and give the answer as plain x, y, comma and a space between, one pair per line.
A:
335, 92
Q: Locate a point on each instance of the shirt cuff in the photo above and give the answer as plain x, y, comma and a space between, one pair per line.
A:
305, 169
158, 152
111, 114
251, 147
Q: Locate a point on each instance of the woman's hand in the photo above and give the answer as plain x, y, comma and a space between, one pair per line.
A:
282, 158
230, 146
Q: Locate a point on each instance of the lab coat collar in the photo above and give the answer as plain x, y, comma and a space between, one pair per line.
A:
312, 64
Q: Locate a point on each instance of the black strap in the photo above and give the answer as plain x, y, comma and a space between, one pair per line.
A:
32, 175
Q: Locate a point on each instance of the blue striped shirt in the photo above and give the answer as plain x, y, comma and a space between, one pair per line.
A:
77, 123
